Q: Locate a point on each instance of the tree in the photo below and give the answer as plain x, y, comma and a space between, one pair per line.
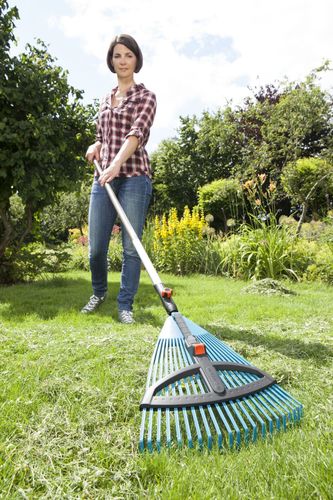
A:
44, 131
176, 177
203, 151
309, 183
275, 125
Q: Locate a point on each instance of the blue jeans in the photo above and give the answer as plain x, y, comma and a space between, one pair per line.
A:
134, 195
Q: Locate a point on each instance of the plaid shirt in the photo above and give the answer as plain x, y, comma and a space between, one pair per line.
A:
134, 116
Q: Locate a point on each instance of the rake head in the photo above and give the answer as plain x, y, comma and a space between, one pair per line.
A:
181, 409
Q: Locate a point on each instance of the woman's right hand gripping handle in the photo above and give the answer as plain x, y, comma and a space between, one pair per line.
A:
93, 152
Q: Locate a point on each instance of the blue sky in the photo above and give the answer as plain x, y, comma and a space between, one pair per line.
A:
198, 55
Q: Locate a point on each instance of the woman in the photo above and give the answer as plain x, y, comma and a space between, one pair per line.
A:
123, 126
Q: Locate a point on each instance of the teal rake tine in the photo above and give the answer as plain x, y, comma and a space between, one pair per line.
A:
161, 348
177, 364
150, 431
235, 409
230, 377
158, 430
241, 420
235, 426
277, 407
249, 400
265, 401
216, 426
142, 430
283, 404
289, 401
226, 425
173, 386
167, 411
250, 419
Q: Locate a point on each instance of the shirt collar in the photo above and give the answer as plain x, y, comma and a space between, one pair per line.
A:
131, 90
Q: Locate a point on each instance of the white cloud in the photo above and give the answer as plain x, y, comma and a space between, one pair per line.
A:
269, 40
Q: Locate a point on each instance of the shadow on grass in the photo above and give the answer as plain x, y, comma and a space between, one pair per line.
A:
49, 298
290, 347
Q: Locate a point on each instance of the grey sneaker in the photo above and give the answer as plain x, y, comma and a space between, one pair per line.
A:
93, 304
125, 317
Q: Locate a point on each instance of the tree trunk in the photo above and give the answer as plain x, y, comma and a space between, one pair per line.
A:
8, 231
302, 217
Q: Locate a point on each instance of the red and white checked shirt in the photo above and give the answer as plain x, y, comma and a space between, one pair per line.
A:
134, 116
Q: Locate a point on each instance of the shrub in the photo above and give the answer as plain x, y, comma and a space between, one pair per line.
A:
35, 259
115, 252
321, 267
310, 181
222, 199
79, 260
267, 251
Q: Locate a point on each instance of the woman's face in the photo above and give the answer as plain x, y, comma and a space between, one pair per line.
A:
123, 60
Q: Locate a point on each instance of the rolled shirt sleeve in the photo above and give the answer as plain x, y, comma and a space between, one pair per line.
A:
144, 119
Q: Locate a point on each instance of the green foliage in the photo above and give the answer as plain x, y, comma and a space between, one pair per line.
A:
44, 130
322, 267
267, 252
178, 242
115, 253
300, 124
174, 165
311, 180
270, 250
35, 260
273, 127
223, 199
200, 153
79, 258
70, 210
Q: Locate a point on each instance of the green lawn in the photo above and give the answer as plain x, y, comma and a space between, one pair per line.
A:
71, 386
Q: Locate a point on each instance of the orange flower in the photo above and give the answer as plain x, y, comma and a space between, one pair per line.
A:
248, 184
262, 178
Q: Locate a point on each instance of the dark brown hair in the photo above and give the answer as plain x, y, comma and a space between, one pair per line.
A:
131, 44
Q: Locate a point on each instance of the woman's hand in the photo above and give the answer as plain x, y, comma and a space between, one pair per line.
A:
93, 152
109, 173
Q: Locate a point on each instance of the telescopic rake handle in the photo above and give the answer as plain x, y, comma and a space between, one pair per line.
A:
159, 287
